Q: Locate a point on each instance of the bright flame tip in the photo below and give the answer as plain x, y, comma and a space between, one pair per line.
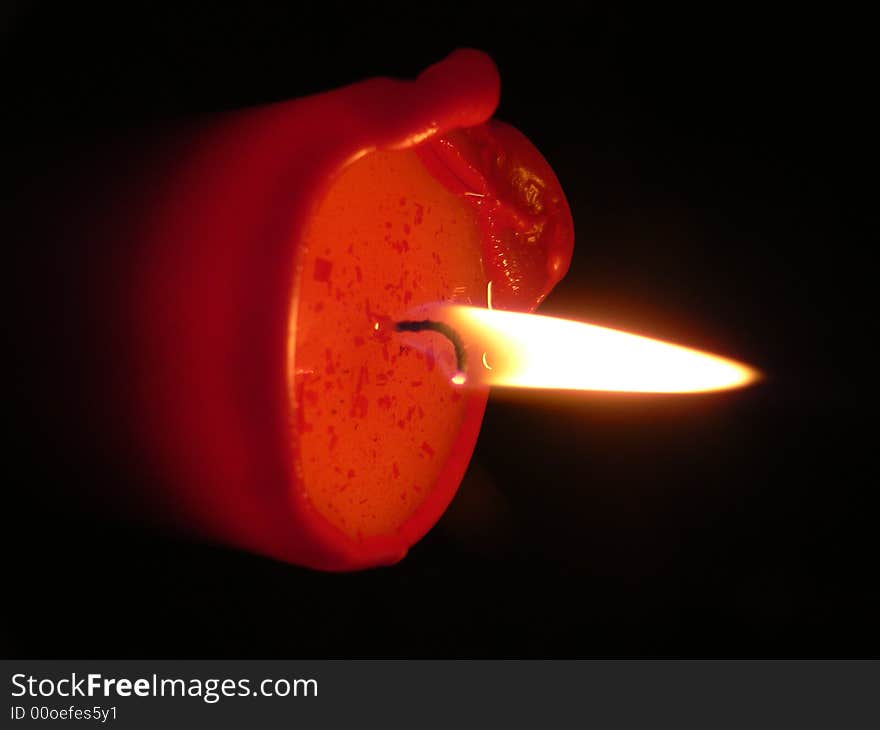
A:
533, 351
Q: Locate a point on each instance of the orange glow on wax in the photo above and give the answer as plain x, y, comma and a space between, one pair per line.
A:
377, 414
531, 351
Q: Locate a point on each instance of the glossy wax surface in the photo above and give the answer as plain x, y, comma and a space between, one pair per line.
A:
221, 277
377, 414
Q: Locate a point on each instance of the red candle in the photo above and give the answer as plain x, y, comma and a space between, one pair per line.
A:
241, 290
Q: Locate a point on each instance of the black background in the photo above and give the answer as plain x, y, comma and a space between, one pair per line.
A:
718, 168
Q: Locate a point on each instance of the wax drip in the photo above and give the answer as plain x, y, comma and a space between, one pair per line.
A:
444, 329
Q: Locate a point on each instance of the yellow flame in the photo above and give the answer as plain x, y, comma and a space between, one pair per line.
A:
531, 351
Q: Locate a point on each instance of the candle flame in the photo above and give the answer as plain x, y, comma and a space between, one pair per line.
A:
530, 351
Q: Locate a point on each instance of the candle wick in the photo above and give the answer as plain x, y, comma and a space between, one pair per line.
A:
444, 329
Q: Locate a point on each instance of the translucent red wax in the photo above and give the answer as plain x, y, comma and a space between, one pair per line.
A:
216, 295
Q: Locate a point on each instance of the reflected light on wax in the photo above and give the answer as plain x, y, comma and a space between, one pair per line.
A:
517, 350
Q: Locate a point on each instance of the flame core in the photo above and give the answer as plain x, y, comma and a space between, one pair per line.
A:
518, 350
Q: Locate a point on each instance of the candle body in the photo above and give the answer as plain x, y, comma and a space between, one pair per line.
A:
173, 336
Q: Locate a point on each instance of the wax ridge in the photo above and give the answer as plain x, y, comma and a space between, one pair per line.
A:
528, 234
